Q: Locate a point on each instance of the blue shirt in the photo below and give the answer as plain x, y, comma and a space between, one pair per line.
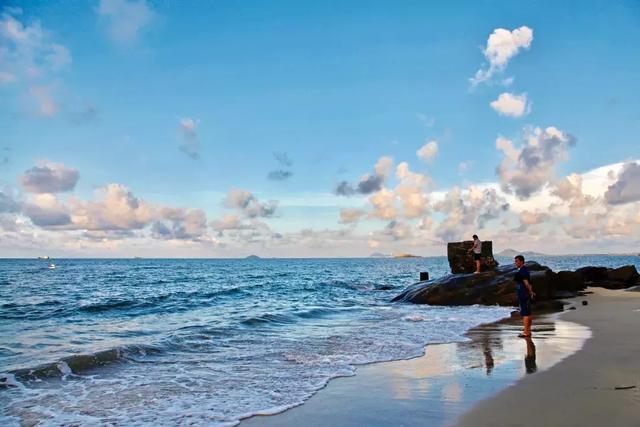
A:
520, 277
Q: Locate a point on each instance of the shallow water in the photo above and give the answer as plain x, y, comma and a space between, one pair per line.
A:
207, 341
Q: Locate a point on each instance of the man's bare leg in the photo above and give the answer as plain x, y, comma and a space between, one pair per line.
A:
477, 266
526, 322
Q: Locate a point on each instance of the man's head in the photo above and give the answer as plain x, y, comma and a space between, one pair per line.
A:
475, 237
519, 260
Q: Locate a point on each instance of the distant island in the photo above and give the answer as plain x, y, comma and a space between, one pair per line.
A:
379, 255
512, 252
401, 255
398, 255
253, 257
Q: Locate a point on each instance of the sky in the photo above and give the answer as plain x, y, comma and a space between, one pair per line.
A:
317, 129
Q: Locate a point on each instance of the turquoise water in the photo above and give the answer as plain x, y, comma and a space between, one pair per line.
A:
207, 342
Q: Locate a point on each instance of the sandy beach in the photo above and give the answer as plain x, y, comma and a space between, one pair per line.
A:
567, 375
597, 386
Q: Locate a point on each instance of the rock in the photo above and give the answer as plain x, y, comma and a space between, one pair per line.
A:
592, 274
461, 260
564, 294
570, 281
610, 278
497, 287
585, 302
627, 274
488, 288
424, 275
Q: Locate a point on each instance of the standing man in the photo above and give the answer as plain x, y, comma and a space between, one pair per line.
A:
477, 251
525, 295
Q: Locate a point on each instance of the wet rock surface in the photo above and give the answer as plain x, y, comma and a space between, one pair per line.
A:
497, 287
461, 260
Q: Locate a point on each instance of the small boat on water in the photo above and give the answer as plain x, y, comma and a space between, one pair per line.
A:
44, 257
52, 266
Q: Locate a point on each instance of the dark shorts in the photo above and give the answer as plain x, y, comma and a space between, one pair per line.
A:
476, 257
524, 305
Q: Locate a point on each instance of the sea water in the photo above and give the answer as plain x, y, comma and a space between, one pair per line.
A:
208, 342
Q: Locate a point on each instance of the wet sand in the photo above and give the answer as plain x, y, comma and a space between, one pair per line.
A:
437, 388
597, 386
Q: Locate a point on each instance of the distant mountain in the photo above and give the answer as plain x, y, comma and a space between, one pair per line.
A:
512, 252
253, 257
379, 255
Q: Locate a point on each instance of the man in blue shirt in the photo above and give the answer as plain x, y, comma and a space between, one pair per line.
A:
525, 294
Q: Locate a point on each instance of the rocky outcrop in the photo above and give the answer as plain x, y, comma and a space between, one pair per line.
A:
488, 288
570, 281
610, 278
461, 260
497, 287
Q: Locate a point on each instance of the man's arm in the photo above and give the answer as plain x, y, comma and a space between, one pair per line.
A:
529, 288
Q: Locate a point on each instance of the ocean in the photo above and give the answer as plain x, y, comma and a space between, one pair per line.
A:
209, 341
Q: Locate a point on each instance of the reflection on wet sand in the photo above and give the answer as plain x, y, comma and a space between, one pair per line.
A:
446, 381
530, 357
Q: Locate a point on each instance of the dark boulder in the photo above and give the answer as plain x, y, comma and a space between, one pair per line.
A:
461, 260
627, 274
564, 294
488, 288
497, 287
570, 281
610, 278
592, 274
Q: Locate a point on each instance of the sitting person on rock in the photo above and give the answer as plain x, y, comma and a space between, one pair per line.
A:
477, 252
525, 295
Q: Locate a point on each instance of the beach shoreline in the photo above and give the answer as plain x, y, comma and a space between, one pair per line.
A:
598, 385
442, 384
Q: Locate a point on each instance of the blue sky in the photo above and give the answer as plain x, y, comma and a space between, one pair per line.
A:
332, 88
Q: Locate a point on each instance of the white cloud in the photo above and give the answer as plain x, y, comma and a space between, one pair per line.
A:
189, 137
627, 187
28, 50
8, 204
428, 151
411, 191
181, 224
246, 203
383, 167
509, 104
29, 58
467, 211
528, 218
502, 46
45, 210
350, 215
369, 183
49, 177
126, 19
116, 208
383, 204
569, 190
527, 169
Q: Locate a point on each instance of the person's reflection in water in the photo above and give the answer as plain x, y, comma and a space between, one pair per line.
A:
530, 358
488, 353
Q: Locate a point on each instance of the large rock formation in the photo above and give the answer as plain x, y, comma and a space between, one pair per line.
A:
461, 260
497, 286
610, 278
